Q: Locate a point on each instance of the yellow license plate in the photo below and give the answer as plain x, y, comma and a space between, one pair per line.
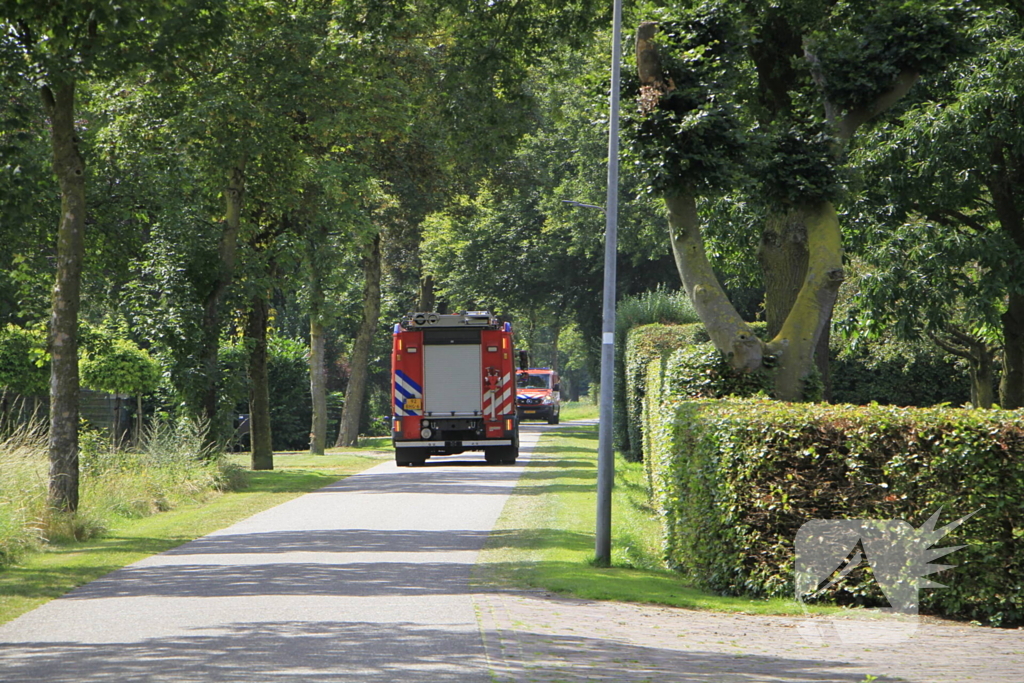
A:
414, 404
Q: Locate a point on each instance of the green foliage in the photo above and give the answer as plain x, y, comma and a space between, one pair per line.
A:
290, 407
658, 306
800, 165
868, 44
702, 371
119, 366
735, 480
693, 134
24, 362
915, 380
646, 346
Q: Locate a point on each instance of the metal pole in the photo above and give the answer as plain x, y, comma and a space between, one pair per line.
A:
605, 448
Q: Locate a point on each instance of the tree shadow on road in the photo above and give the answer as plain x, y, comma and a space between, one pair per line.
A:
332, 652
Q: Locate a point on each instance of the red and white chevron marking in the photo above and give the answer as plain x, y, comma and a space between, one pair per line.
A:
499, 401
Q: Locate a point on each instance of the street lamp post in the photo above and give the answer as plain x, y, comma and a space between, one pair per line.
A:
605, 448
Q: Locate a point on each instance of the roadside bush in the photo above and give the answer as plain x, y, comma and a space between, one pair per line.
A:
694, 362
913, 380
660, 306
734, 481
645, 345
291, 410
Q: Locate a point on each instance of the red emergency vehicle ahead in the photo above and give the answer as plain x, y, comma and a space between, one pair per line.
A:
453, 387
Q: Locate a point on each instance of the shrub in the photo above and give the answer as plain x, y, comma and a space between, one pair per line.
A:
695, 362
645, 345
735, 480
291, 408
660, 306
913, 380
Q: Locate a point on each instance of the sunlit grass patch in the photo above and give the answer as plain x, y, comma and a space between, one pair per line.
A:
578, 410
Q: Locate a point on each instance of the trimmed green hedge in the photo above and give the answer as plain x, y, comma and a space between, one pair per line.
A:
644, 345
696, 368
734, 481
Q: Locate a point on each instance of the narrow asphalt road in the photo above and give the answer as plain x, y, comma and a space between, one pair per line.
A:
365, 580
369, 580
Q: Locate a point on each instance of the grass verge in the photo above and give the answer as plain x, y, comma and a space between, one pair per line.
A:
52, 572
544, 537
578, 410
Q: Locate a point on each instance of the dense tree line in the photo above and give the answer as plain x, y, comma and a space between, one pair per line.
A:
216, 187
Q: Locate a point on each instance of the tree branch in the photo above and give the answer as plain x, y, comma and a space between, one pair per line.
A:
949, 347
860, 115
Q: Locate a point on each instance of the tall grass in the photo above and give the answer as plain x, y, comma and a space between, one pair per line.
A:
172, 467
23, 469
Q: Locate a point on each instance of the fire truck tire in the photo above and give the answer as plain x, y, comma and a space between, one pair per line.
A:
409, 457
501, 455
553, 418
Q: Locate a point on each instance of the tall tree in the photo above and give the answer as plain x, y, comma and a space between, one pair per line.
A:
822, 71
55, 46
943, 222
348, 431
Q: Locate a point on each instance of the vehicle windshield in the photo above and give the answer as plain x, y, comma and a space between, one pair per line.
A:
526, 381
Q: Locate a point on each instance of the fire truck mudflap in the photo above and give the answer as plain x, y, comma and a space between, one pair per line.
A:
453, 388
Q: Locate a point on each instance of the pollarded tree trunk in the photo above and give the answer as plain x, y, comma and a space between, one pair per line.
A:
796, 342
783, 258
234, 194
348, 431
728, 331
259, 386
69, 167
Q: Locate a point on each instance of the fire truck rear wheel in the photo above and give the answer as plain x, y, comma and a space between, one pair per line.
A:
501, 455
409, 457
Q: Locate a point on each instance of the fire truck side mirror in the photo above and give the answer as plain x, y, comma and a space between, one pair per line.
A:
524, 360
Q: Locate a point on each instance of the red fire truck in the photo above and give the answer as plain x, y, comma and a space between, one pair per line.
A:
453, 387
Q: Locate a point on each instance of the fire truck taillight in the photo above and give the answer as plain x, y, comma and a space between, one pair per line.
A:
398, 425
508, 424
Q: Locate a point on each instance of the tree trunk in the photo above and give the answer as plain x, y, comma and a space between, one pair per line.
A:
348, 431
234, 193
981, 379
317, 354
427, 299
783, 256
259, 386
1003, 183
69, 167
795, 344
729, 333
1011, 384
138, 420
317, 387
